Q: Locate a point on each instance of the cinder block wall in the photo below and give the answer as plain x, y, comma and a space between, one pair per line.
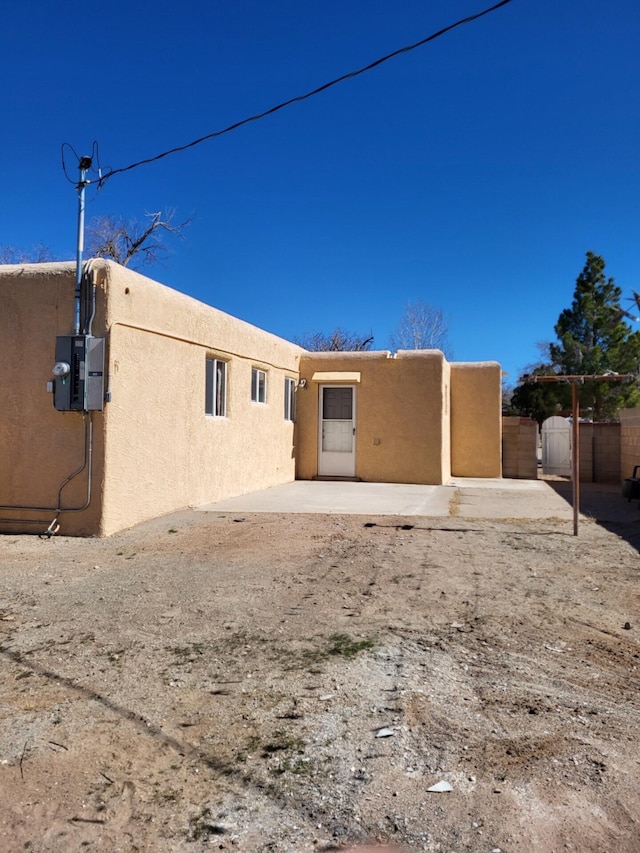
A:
600, 453
586, 453
629, 441
606, 453
600, 450
519, 448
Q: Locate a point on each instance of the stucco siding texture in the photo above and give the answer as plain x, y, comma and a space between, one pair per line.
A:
40, 447
476, 419
162, 451
399, 408
154, 448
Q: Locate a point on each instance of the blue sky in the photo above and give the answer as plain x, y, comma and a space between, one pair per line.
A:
473, 173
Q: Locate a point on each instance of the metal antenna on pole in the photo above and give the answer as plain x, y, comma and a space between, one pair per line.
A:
83, 166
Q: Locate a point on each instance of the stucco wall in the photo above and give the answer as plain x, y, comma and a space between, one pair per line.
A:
39, 446
162, 451
400, 414
476, 419
154, 449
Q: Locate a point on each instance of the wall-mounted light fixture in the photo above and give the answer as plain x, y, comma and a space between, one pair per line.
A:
303, 383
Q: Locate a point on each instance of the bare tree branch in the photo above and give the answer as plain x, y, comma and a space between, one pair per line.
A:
421, 327
338, 340
131, 242
39, 254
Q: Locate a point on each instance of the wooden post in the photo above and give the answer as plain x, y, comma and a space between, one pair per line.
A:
576, 379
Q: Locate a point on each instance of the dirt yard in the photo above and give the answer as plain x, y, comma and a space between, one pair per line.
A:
298, 683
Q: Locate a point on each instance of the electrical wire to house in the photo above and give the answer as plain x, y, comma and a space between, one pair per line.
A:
103, 177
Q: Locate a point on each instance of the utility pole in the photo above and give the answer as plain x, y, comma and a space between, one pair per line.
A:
83, 167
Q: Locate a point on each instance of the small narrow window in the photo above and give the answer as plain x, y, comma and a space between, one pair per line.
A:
215, 396
289, 399
258, 385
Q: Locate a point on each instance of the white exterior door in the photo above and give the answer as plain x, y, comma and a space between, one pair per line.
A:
556, 447
337, 424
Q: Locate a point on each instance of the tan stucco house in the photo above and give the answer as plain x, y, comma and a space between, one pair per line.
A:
129, 400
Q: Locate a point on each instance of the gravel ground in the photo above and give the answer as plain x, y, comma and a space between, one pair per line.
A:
298, 683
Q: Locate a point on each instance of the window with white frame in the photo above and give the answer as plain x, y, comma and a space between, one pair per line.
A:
289, 399
258, 385
215, 395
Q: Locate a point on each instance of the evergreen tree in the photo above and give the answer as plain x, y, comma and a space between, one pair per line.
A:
538, 401
593, 339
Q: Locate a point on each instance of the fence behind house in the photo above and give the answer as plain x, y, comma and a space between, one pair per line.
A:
608, 452
519, 448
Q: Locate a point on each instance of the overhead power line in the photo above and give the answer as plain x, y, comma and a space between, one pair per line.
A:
102, 178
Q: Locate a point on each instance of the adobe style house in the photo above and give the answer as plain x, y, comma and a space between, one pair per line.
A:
408, 418
129, 400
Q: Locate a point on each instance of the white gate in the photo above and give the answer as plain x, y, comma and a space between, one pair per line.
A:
556, 447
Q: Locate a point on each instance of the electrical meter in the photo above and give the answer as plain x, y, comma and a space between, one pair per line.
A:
79, 372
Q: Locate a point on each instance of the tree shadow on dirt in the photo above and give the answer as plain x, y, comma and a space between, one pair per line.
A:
604, 503
152, 730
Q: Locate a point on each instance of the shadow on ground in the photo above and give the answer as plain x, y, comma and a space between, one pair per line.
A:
605, 504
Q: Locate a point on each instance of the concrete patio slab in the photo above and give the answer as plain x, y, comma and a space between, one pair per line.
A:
467, 498
339, 497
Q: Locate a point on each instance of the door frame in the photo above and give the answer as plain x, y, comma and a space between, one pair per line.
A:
324, 470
